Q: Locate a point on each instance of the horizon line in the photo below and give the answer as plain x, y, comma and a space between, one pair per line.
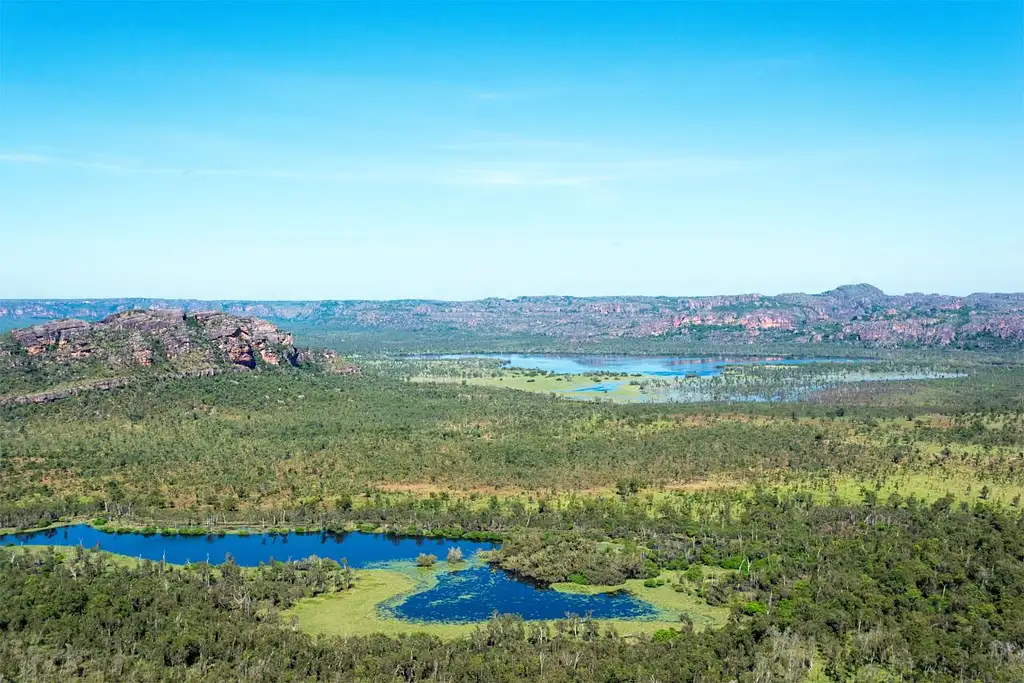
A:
85, 299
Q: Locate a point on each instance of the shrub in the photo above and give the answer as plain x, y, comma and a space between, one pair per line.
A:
753, 607
454, 556
678, 563
733, 562
664, 635
425, 560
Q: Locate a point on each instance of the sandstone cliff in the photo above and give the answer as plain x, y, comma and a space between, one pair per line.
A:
142, 338
55, 359
860, 314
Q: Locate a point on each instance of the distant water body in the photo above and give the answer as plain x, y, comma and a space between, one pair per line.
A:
670, 379
656, 366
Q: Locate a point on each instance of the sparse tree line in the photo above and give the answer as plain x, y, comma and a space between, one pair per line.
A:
875, 592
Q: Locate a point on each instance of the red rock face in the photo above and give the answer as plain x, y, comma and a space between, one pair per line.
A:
847, 313
241, 354
245, 339
929, 332
143, 338
57, 335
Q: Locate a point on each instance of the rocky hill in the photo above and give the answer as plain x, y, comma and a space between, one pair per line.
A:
851, 313
140, 338
56, 358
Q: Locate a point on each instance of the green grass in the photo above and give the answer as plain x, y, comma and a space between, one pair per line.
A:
64, 551
963, 485
355, 612
565, 386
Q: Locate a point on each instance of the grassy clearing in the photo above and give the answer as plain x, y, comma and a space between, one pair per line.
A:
64, 552
962, 485
567, 386
357, 611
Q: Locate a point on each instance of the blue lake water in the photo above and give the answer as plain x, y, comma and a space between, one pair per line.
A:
474, 594
360, 550
658, 366
470, 594
668, 379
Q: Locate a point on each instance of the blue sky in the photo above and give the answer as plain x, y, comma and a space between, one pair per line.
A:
468, 149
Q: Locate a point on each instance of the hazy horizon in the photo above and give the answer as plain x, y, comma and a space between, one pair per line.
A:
458, 151
682, 295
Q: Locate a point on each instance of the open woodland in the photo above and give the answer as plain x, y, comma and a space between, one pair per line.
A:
872, 534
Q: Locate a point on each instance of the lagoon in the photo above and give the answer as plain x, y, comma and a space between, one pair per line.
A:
471, 593
667, 379
656, 366
358, 549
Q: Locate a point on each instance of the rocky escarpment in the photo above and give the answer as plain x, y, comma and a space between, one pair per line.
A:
860, 314
145, 338
53, 360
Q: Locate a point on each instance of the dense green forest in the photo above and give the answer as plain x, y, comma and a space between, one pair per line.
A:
884, 590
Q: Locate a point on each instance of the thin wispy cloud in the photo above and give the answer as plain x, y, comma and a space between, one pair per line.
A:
90, 164
447, 174
551, 172
23, 158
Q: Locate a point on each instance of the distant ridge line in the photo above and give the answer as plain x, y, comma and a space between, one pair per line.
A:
854, 312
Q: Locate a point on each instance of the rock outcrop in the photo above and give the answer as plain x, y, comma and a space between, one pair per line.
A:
146, 338
244, 340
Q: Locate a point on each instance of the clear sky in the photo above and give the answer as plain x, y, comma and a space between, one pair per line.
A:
468, 149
